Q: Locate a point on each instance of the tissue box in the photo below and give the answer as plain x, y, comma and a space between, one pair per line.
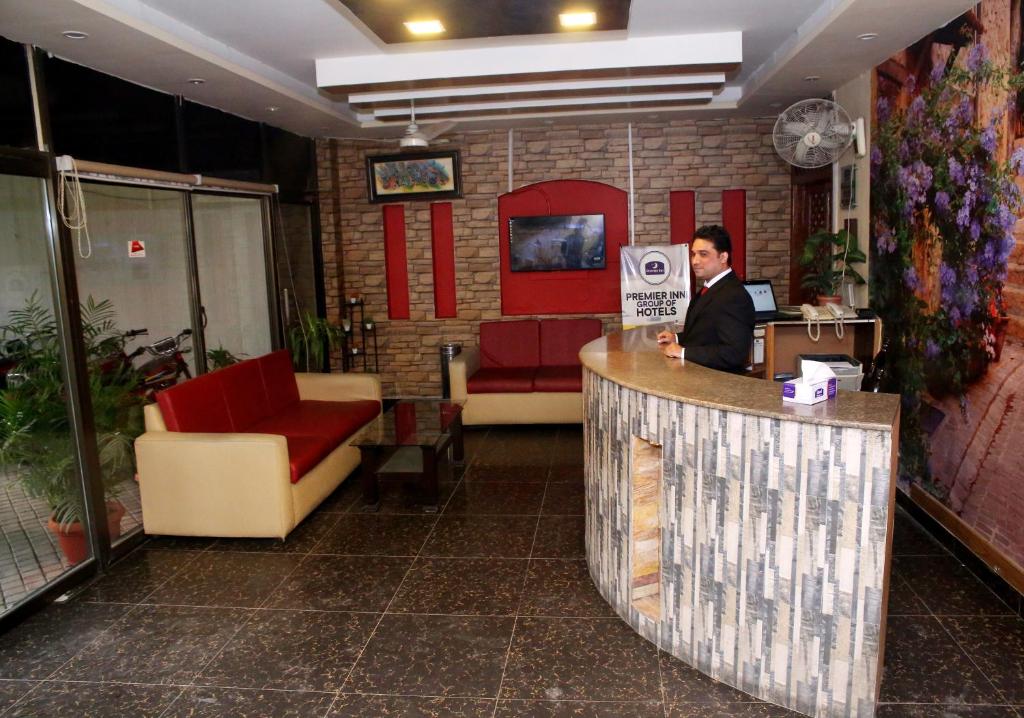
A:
817, 382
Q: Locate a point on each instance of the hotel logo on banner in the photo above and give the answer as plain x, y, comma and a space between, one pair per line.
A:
655, 285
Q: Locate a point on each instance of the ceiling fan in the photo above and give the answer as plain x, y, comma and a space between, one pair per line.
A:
417, 137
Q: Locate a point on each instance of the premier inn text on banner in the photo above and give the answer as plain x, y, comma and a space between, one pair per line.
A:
655, 285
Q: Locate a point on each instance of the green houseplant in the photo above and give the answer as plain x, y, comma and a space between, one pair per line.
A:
35, 435
825, 261
310, 339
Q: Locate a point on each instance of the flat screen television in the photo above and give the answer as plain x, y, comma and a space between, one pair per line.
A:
556, 242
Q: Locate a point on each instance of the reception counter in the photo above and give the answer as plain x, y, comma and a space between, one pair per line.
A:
748, 537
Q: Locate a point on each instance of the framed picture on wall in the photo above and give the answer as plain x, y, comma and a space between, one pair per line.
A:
424, 175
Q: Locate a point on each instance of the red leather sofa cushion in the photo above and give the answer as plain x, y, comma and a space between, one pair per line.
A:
195, 405
562, 339
510, 344
331, 420
501, 380
305, 452
558, 378
246, 398
278, 379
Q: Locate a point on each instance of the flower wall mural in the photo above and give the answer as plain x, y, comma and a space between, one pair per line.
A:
946, 198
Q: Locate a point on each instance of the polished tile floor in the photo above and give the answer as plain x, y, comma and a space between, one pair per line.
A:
483, 610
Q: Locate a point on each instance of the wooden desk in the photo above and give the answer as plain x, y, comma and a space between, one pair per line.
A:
783, 341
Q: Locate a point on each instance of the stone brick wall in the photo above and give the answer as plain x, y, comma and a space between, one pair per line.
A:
706, 156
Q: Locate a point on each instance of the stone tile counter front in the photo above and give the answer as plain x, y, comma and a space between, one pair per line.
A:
747, 537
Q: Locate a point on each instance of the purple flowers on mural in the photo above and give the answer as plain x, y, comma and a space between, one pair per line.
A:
976, 57
931, 349
885, 241
883, 110
942, 201
916, 180
956, 171
1016, 160
911, 280
988, 139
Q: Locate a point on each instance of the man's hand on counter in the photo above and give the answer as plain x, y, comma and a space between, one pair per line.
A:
666, 337
672, 350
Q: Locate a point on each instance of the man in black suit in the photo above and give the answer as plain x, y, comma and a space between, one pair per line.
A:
719, 323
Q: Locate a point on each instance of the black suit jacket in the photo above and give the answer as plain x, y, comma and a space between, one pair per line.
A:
719, 326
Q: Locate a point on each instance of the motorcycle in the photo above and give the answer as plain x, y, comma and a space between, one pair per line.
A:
167, 365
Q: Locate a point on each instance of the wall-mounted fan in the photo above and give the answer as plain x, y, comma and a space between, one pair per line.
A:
814, 133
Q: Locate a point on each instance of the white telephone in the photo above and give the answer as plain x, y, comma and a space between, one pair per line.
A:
830, 312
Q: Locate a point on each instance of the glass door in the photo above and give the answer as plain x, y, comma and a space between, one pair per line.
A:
133, 281
41, 505
232, 267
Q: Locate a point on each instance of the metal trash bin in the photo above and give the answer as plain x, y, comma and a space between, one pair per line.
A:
449, 350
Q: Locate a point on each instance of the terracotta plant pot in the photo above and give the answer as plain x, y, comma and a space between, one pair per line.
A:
823, 299
71, 537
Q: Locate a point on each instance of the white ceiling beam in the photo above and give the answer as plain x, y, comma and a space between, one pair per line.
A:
704, 78
699, 49
541, 102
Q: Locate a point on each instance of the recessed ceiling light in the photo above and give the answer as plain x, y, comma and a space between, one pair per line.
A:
867, 36
75, 34
273, 108
425, 27
574, 20
195, 81
812, 78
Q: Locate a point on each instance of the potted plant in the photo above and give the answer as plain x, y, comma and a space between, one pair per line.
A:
826, 260
310, 340
35, 435
220, 357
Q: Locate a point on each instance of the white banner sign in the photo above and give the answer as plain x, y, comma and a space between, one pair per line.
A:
655, 285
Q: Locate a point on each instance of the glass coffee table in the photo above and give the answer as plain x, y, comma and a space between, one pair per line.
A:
414, 439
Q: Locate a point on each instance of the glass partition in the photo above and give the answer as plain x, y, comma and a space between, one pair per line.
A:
132, 275
40, 489
232, 266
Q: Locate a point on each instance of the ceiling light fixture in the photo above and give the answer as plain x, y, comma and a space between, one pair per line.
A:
424, 27
273, 108
195, 81
812, 78
576, 20
75, 34
867, 36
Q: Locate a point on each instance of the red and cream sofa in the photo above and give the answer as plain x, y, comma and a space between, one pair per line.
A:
249, 450
523, 372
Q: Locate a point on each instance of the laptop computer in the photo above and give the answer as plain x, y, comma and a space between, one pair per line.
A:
765, 308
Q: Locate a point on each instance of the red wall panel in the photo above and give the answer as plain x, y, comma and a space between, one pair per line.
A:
734, 219
564, 292
682, 216
396, 266
442, 248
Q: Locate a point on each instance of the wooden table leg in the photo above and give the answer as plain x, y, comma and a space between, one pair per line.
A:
428, 482
458, 452
368, 478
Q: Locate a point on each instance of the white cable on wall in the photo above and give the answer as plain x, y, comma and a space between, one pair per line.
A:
75, 219
632, 238
510, 159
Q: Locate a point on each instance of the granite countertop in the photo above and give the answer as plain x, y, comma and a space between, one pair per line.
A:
632, 359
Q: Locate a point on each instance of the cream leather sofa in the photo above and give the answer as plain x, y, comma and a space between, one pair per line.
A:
246, 467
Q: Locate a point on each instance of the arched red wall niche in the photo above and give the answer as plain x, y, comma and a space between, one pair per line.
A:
591, 291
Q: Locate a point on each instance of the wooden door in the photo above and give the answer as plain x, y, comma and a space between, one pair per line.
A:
812, 211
